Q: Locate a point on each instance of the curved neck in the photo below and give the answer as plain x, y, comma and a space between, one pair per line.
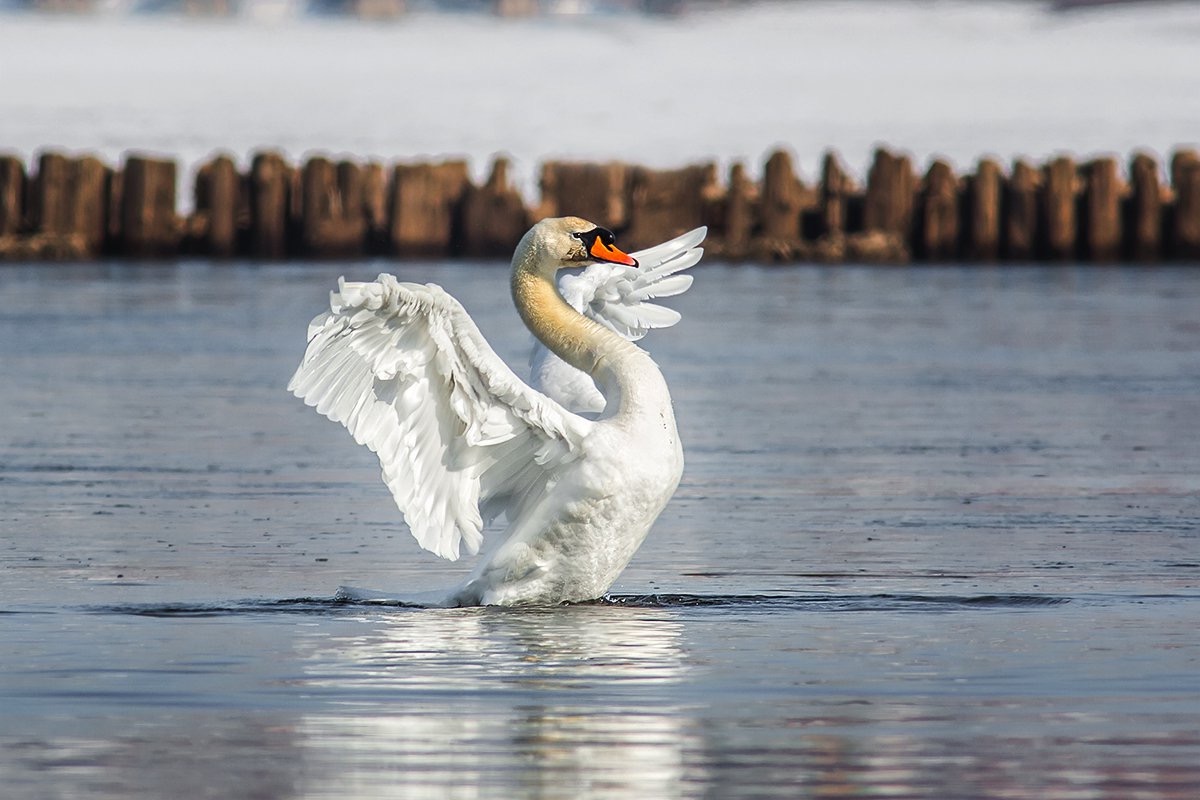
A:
571, 336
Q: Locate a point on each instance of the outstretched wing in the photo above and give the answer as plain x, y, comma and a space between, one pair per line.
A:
617, 297
460, 438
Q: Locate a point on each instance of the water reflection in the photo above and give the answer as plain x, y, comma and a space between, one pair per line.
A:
476, 702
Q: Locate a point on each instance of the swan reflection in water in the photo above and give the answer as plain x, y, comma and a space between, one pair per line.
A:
551, 702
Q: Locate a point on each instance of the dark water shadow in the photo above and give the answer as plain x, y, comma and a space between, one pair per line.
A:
340, 606
872, 602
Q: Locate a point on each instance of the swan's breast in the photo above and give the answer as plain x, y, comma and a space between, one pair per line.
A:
588, 527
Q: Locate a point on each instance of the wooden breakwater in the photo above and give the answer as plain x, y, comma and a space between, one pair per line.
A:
78, 207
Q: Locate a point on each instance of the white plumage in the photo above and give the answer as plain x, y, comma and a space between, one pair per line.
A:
617, 297
462, 440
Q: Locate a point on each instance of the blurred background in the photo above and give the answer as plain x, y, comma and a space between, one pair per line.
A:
656, 82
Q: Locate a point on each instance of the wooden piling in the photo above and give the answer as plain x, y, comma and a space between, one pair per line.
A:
1019, 213
494, 215
1180, 161
70, 204
51, 205
666, 203
351, 186
981, 212
783, 198
88, 203
116, 192
597, 192
741, 213
375, 200
1185, 228
217, 198
320, 208
425, 208
149, 226
332, 222
1101, 219
12, 195
269, 200
1144, 210
938, 223
890, 194
77, 207
836, 186
1059, 210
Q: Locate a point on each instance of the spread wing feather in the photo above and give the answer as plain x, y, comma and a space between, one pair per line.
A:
617, 297
460, 438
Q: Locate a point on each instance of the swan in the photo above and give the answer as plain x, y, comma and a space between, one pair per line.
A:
462, 440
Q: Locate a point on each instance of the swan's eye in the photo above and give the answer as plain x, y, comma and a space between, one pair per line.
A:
589, 237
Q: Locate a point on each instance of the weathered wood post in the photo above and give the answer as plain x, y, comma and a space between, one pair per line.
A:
666, 203
149, 226
1185, 228
1059, 218
375, 200
12, 195
596, 192
331, 216
269, 199
351, 183
116, 193
494, 215
217, 193
1180, 161
70, 204
51, 204
937, 225
88, 203
783, 198
1019, 213
320, 207
888, 211
1144, 210
836, 185
741, 206
1102, 210
982, 211
890, 193
425, 208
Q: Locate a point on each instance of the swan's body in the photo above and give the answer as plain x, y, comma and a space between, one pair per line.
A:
462, 440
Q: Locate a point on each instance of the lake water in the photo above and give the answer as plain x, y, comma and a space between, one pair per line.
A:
938, 537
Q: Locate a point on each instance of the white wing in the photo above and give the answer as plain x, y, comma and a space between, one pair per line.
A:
460, 438
616, 297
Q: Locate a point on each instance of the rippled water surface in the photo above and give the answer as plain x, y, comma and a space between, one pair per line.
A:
939, 536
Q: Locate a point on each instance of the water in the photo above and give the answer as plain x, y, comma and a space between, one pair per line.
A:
939, 536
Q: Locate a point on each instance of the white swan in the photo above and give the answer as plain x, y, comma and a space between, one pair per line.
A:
462, 439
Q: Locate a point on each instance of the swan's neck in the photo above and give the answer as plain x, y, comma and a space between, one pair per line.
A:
633, 387
581, 342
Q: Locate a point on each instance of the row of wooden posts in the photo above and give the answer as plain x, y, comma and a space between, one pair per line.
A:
78, 208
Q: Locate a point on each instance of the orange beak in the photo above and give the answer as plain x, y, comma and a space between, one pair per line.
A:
610, 253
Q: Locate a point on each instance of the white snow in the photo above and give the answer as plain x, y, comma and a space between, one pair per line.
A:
933, 78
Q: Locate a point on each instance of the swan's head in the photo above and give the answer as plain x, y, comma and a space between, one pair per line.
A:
566, 242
